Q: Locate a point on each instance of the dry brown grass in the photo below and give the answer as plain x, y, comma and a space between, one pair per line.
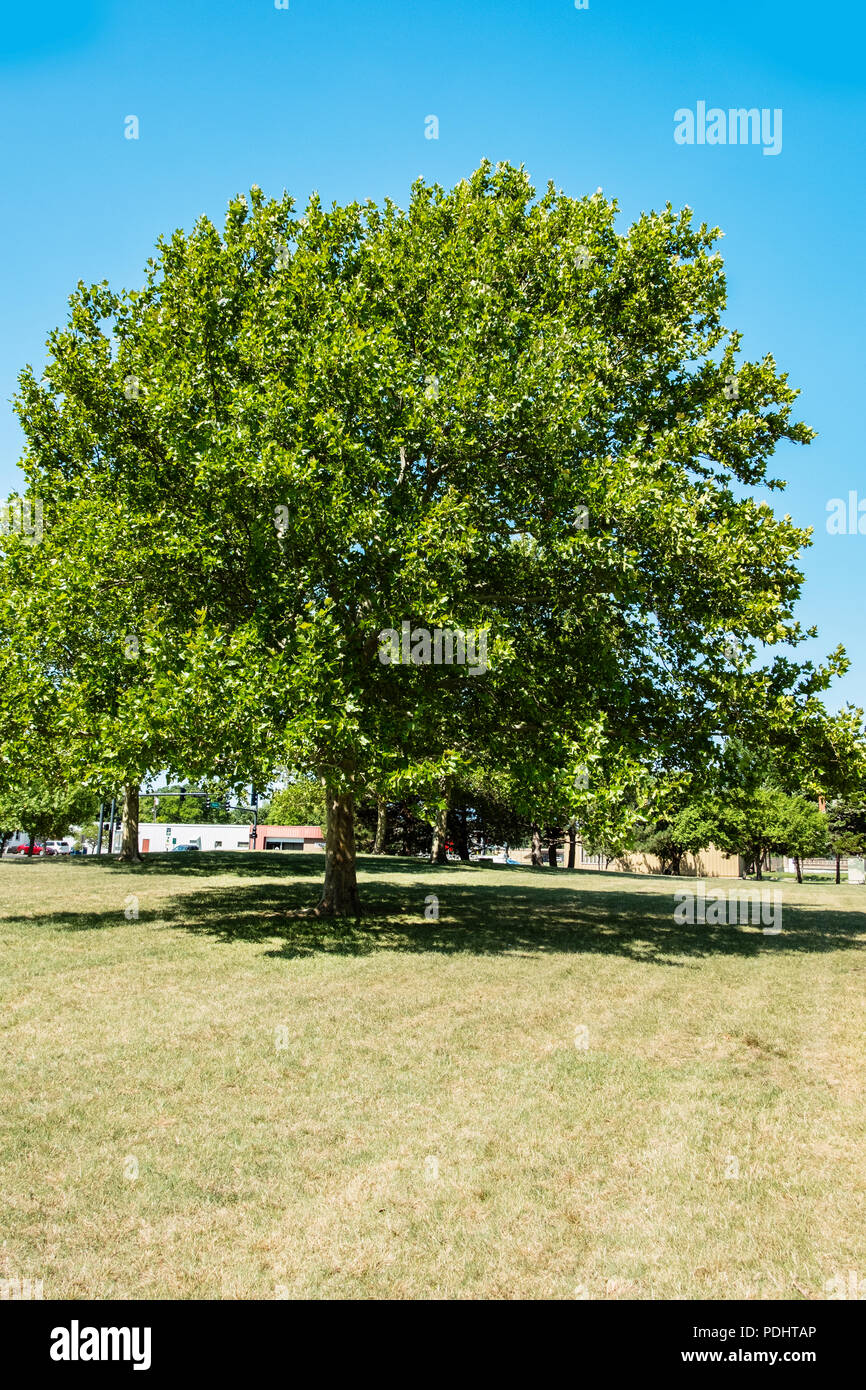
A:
399, 1110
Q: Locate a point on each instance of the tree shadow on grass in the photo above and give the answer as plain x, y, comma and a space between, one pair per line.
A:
497, 920
546, 912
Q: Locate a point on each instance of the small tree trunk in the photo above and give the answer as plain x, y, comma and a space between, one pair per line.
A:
758, 858
340, 889
402, 822
381, 826
129, 825
551, 851
537, 860
440, 835
32, 842
798, 865
572, 845
461, 835
440, 828
838, 868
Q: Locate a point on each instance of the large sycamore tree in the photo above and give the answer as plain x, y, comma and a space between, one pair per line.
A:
488, 411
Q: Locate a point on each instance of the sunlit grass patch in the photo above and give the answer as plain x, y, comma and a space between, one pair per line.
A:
550, 1086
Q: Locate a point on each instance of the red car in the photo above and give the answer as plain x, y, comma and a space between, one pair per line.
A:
25, 849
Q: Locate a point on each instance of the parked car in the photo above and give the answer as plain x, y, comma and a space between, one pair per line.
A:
25, 849
57, 847
176, 849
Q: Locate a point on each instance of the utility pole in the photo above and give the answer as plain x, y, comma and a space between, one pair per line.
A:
101, 824
111, 815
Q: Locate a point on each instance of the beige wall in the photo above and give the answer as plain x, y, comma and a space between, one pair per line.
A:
708, 863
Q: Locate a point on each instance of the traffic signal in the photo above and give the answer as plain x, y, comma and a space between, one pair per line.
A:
182, 795
254, 797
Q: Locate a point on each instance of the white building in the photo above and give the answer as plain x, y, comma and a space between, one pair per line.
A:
156, 836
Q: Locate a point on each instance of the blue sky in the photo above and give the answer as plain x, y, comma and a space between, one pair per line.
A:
333, 95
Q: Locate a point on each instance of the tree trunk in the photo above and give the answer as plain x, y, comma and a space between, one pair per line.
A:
381, 826
440, 829
798, 865
551, 851
572, 845
129, 825
440, 835
838, 868
340, 890
758, 857
403, 822
30, 845
537, 861
460, 826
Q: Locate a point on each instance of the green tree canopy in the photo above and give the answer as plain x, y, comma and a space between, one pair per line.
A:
488, 412
300, 803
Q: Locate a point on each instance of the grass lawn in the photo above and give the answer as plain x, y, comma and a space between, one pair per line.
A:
217, 1100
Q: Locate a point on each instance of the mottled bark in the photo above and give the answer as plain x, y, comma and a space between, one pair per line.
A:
129, 853
537, 861
381, 826
440, 828
440, 835
340, 889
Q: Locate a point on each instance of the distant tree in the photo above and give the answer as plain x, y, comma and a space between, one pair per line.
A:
846, 830
820, 756
670, 839
840, 756
44, 808
88, 834
747, 821
801, 830
609, 804
188, 809
405, 828
300, 803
